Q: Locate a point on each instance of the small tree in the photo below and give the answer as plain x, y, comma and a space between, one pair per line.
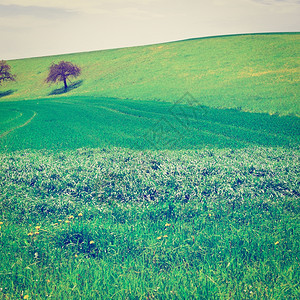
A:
5, 72
62, 71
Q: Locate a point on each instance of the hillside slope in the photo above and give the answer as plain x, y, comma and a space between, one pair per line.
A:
257, 73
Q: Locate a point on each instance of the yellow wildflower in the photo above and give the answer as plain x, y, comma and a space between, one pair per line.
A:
36, 233
67, 221
165, 236
48, 280
1, 223
26, 297
168, 224
55, 224
30, 233
59, 220
159, 238
76, 255
209, 215
37, 228
80, 215
92, 242
277, 243
70, 217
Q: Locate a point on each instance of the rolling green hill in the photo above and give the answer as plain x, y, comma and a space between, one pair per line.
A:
255, 73
165, 172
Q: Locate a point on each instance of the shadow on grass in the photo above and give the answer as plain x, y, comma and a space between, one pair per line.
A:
71, 87
6, 93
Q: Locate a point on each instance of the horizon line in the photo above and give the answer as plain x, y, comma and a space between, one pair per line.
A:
160, 43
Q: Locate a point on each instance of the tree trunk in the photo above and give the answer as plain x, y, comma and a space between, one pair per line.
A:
65, 83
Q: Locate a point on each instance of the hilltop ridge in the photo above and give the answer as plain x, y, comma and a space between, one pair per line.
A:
251, 72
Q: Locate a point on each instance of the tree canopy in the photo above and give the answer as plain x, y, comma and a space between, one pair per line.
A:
5, 73
62, 71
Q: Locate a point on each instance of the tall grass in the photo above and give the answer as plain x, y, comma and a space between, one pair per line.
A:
122, 224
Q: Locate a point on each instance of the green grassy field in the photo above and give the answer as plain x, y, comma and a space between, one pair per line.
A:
257, 73
202, 224
165, 172
71, 123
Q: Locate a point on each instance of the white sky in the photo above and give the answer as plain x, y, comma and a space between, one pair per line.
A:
30, 28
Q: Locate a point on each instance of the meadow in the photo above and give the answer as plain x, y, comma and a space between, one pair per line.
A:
255, 72
141, 125
127, 224
165, 172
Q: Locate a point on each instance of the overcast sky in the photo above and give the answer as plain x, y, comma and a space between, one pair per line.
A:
30, 28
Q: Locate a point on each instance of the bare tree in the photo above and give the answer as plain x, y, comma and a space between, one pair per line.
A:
62, 71
5, 72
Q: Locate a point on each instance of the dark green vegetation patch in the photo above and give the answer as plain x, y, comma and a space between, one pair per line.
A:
71, 123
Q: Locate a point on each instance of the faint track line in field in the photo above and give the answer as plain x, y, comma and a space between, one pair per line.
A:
113, 110
205, 131
204, 121
118, 111
20, 126
226, 137
13, 119
107, 108
208, 131
243, 128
